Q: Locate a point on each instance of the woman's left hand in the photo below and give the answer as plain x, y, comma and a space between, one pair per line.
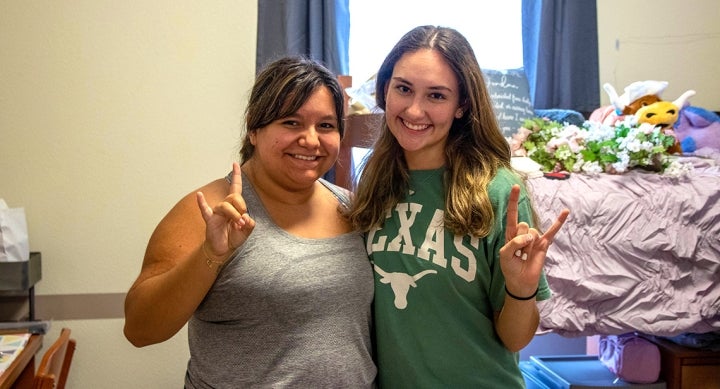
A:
523, 255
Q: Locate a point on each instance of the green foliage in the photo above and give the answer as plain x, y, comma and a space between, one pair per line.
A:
593, 147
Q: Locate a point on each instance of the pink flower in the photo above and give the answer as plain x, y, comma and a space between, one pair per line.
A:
521, 135
575, 147
517, 140
517, 149
554, 143
669, 132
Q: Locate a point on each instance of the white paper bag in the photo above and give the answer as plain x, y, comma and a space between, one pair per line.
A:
14, 246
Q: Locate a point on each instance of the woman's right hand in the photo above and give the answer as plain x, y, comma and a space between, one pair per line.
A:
523, 255
170, 288
227, 224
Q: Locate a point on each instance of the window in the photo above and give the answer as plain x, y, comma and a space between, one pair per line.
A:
494, 28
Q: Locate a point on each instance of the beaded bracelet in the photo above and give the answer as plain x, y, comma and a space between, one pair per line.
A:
520, 298
209, 261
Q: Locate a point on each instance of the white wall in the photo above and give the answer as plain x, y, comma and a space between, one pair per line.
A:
674, 41
110, 111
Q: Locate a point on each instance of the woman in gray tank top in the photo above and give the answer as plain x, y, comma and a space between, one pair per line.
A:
269, 276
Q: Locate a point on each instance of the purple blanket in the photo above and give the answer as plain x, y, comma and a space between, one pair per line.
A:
640, 252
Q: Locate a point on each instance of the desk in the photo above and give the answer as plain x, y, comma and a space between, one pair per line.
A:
21, 372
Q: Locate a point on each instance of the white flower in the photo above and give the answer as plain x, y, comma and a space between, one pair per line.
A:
629, 121
647, 128
599, 132
563, 153
592, 168
620, 167
578, 164
677, 169
646, 146
629, 144
593, 148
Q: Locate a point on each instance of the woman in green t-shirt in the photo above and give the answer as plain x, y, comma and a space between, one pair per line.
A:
450, 228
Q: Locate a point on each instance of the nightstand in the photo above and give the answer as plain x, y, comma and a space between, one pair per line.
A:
686, 367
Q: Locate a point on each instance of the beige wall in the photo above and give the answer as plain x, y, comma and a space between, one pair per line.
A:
110, 111
674, 41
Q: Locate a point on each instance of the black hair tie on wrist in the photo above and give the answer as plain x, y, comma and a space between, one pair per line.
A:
520, 298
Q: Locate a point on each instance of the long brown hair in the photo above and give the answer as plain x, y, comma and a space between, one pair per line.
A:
475, 148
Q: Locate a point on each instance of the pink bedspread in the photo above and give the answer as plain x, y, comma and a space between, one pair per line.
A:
640, 252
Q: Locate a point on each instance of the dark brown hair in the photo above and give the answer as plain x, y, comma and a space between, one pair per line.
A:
281, 88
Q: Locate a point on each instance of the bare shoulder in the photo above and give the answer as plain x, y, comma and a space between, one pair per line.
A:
181, 231
186, 211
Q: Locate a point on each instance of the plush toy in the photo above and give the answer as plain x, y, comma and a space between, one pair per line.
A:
698, 130
664, 114
695, 128
637, 95
661, 113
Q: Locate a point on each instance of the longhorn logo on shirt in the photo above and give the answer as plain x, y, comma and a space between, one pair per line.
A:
401, 283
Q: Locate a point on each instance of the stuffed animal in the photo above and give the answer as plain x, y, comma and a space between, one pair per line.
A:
695, 128
664, 114
637, 95
698, 130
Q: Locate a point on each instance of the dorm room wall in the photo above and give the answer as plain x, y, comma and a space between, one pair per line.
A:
111, 111
674, 41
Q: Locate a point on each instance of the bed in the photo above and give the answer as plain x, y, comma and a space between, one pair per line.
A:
640, 252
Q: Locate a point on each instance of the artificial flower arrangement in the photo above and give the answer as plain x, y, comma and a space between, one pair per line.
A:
594, 148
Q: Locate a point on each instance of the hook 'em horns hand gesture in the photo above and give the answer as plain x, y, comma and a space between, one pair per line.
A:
227, 224
523, 255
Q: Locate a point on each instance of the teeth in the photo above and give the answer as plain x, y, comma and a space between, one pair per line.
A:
305, 157
416, 127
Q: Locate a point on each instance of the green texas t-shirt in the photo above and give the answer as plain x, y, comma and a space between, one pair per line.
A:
436, 293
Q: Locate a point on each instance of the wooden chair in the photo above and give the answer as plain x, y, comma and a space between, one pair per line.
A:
360, 131
55, 365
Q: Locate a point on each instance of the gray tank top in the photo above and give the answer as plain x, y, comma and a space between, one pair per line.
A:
286, 312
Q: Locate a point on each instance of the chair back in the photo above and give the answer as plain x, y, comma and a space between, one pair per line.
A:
360, 131
55, 365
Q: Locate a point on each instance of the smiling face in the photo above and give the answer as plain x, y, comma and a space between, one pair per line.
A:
297, 150
422, 101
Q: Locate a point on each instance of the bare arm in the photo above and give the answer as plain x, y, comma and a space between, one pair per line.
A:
176, 273
518, 320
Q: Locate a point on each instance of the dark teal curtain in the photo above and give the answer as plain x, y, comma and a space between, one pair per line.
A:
319, 29
560, 53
